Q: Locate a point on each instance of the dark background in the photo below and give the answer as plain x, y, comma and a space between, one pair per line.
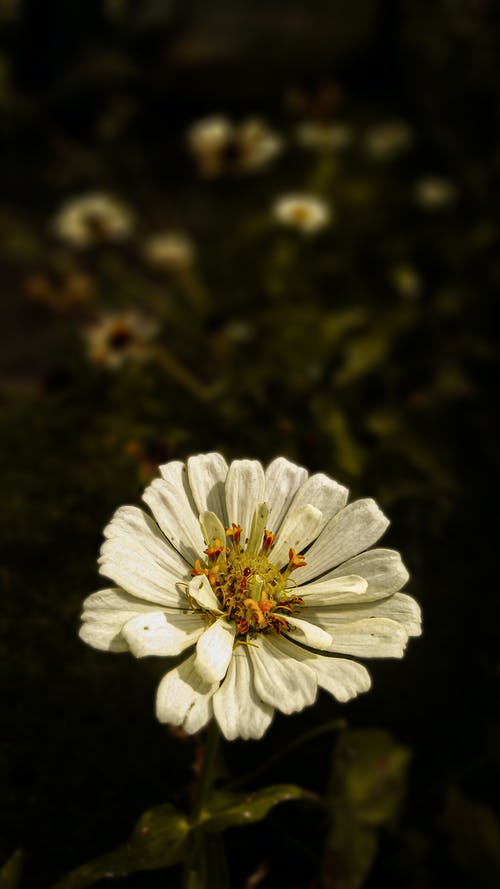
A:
389, 392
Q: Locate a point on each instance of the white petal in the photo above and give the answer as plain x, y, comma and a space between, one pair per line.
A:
324, 493
282, 682
399, 607
202, 593
343, 678
215, 649
244, 489
104, 615
237, 707
372, 637
382, 568
309, 633
350, 588
184, 697
299, 528
162, 634
212, 528
283, 479
173, 507
352, 530
137, 556
207, 474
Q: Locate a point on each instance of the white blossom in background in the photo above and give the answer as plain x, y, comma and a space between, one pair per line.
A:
434, 193
304, 212
385, 141
319, 136
222, 147
119, 337
92, 219
169, 250
265, 580
406, 280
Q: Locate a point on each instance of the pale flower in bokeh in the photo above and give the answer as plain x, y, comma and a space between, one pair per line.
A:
221, 147
119, 337
169, 250
305, 212
92, 219
386, 140
324, 135
434, 193
265, 578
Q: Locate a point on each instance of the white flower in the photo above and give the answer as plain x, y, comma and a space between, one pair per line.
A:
221, 147
265, 618
169, 250
92, 219
119, 337
388, 139
302, 211
323, 136
434, 192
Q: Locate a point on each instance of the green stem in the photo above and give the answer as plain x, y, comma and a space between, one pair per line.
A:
196, 873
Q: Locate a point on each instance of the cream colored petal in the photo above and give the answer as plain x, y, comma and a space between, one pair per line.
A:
352, 530
202, 593
207, 474
138, 557
283, 479
350, 588
382, 568
343, 678
173, 507
299, 528
324, 493
214, 650
309, 633
212, 528
162, 634
399, 607
185, 698
281, 681
370, 637
104, 615
244, 489
237, 707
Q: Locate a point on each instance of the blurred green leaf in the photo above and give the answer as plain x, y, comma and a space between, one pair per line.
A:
367, 783
474, 833
11, 872
372, 768
158, 840
231, 809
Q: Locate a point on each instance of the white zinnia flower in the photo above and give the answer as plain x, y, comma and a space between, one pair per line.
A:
434, 192
302, 211
220, 146
92, 219
319, 136
169, 250
119, 337
388, 139
266, 618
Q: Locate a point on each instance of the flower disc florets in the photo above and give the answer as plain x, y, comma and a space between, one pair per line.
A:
249, 588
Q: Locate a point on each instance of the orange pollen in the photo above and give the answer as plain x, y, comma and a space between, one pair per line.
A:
268, 541
215, 549
295, 560
234, 533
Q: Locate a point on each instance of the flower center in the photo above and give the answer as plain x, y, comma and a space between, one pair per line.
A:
249, 587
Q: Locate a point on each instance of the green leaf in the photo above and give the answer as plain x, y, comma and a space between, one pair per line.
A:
158, 840
226, 809
372, 769
474, 833
350, 853
10, 873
